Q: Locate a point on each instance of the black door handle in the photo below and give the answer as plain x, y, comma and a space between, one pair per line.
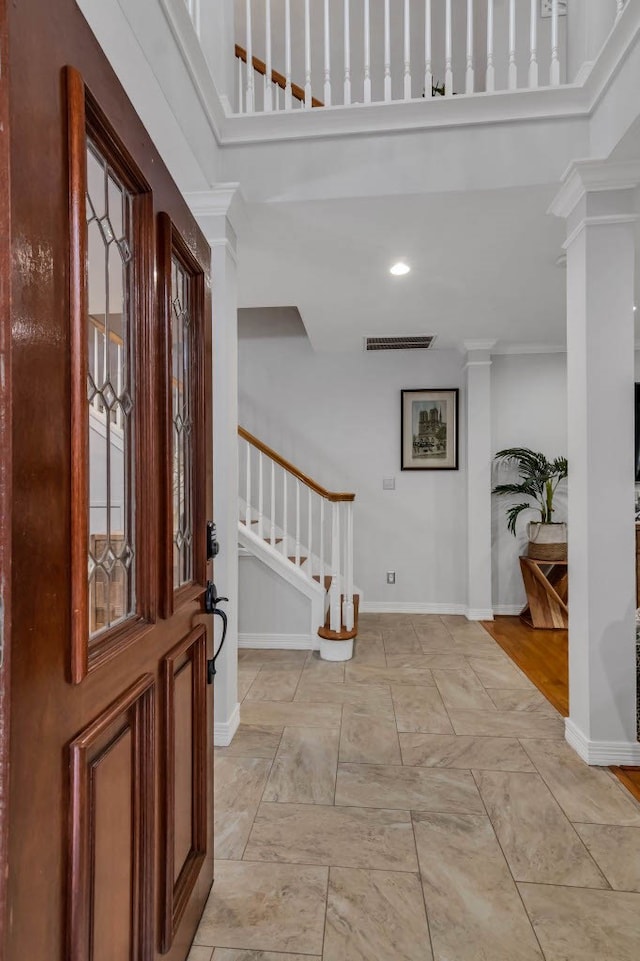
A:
211, 601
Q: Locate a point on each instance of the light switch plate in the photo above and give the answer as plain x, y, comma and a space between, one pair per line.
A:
388, 483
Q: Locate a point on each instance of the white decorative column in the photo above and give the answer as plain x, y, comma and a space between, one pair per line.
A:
479, 457
218, 212
597, 200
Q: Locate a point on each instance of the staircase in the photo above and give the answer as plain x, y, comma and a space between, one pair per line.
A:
304, 533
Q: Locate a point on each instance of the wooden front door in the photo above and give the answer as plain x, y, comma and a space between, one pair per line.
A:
110, 797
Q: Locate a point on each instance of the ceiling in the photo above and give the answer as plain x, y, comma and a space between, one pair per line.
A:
483, 267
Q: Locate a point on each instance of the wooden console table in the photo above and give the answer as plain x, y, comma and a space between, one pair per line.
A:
546, 584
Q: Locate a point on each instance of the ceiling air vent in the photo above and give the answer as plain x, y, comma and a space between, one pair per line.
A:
416, 342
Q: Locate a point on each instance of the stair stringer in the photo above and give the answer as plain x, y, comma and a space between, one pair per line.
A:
292, 574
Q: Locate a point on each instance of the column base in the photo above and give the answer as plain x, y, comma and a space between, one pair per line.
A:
601, 753
480, 614
224, 731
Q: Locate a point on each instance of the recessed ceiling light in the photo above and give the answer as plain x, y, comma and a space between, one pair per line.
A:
399, 269
635, 307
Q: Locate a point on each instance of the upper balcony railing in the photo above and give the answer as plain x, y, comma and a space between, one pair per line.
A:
298, 54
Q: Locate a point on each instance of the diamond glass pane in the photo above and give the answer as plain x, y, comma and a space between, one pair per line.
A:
181, 413
111, 398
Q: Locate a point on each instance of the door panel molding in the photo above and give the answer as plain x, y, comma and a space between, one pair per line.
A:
180, 879
127, 724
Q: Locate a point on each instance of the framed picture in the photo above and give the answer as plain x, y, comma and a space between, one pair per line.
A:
429, 429
546, 8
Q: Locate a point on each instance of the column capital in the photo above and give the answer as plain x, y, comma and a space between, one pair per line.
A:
584, 177
220, 212
478, 352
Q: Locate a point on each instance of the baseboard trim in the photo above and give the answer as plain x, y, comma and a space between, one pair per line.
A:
280, 642
412, 607
601, 753
224, 731
508, 609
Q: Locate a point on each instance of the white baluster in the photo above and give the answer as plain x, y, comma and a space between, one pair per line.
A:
491, 70
240, 84
448, 53
469, 78
347, 54
106, 365
533, 45
249, 98
334, 593
276, 94
310, 534
428, 73
247, 516
307, 55
407, 51
260, 496
287, 55
512, 76
322, 542
272, 535
268, 90
327, 56
96, 363
297, 554
349, 614
387, 53
367, 52
554, 73
285, 518
120, 412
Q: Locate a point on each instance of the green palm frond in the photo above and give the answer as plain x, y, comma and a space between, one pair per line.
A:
539, 479
514, 513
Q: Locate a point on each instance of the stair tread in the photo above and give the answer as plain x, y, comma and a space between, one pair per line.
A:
292, 558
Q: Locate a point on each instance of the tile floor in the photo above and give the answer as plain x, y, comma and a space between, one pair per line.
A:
416, 804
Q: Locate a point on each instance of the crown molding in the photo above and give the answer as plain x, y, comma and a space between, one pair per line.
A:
590, 176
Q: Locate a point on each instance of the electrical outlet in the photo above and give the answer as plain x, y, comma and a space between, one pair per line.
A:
388, 483
391, 577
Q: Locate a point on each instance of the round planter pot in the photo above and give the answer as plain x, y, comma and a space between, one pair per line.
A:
547, 542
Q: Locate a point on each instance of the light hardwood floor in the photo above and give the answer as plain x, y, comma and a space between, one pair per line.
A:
416, 803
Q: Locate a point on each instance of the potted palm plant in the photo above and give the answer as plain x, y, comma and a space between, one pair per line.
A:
538, 480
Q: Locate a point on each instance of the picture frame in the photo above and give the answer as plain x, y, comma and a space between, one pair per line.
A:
429, 429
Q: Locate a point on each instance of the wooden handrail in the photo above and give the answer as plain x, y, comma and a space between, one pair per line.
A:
113, 337
328, 495
260, 67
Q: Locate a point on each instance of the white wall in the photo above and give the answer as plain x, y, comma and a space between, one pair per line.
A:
337, 417
529, 409
268, 604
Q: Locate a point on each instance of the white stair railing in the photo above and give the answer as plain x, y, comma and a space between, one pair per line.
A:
410, 50
296, 527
